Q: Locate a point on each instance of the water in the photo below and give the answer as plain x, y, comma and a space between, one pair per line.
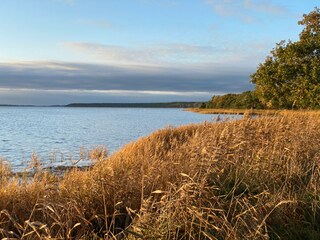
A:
62, 132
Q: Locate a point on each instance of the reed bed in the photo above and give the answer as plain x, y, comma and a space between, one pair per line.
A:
234, 111
244, 179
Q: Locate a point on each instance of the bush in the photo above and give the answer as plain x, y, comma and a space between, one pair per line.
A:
245, 100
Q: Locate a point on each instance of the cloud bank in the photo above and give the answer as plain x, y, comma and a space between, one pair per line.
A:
61, 83
163, 72
80, 76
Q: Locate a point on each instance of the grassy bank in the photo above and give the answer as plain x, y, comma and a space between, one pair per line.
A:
233, 111
245, 179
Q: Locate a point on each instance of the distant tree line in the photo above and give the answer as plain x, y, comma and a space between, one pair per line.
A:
139, 105
288, 79
245, 100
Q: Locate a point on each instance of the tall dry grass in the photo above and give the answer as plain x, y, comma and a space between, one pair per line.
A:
263, 112
245, 179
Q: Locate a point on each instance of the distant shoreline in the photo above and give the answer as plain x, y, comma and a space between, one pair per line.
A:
138, 105
118, 105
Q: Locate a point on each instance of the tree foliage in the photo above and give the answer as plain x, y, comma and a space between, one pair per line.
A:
290, 77
245, 100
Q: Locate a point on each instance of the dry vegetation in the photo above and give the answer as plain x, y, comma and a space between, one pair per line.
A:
233, 111
245, 179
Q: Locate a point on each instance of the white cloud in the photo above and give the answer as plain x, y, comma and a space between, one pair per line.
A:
223, 7
246, 10
42, 64
52, 97
145, 55
109, 92
167, 55
264, 7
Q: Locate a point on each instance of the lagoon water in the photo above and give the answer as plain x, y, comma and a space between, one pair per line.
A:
62, 133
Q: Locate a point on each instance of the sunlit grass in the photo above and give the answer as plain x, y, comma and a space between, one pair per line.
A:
233, 111
245, 179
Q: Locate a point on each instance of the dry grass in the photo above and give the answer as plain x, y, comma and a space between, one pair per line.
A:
245, 179
233, 111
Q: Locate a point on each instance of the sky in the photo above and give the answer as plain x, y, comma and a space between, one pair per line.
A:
64, 51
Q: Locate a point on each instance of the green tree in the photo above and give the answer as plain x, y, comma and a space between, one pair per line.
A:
290, 77
245, 100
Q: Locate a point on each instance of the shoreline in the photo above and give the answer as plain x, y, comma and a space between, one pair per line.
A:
234, 111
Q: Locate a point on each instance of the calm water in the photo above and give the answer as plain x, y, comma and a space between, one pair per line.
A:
60, 133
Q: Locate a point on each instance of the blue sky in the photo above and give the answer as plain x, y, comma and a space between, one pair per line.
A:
62, 51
